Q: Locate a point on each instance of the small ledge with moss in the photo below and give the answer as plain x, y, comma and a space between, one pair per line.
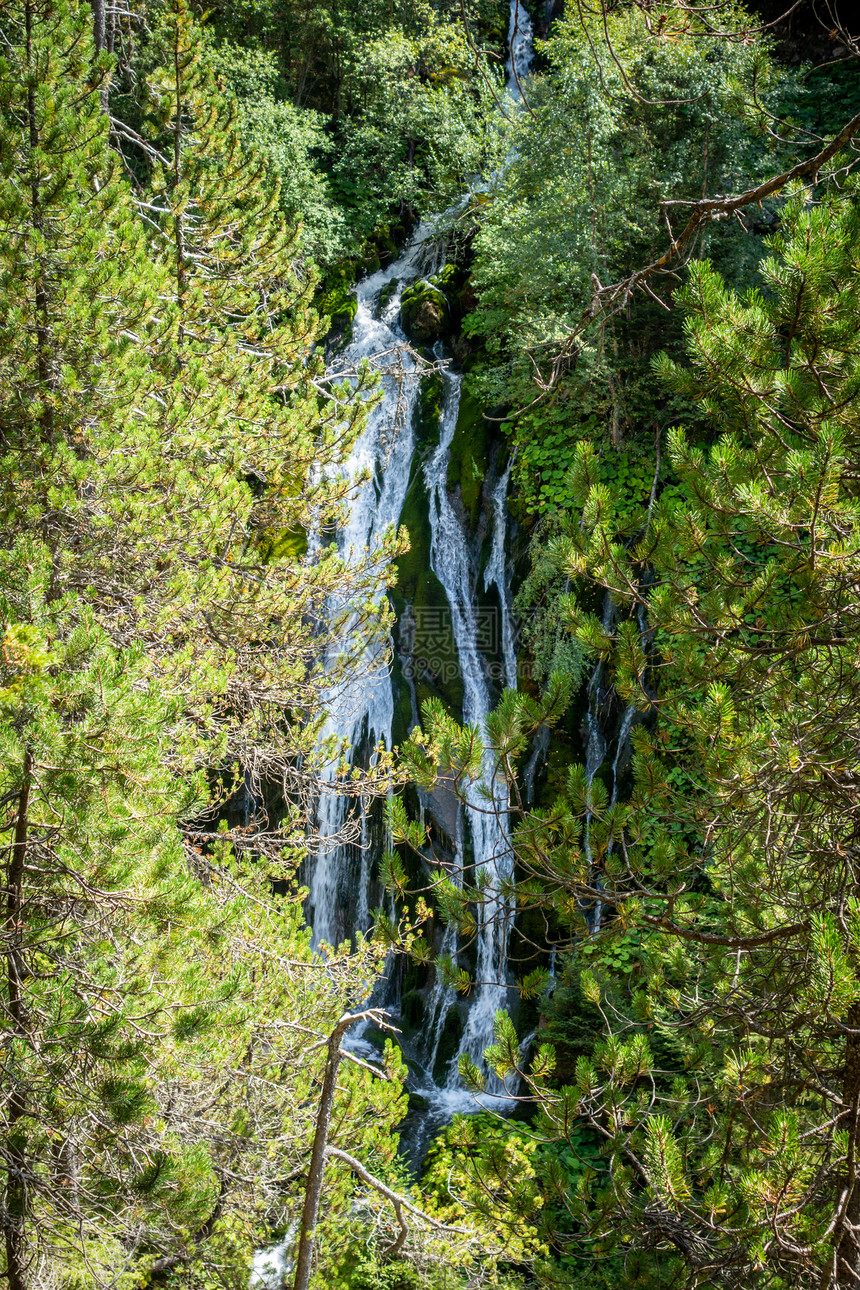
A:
425, 633
470, 451
281, 544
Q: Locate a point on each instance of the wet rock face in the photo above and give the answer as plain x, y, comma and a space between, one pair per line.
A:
424, 313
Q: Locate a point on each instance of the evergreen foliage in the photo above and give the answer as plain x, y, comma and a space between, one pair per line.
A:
162, 423
185, 201
713, 909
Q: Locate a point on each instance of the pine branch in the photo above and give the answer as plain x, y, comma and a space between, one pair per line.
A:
396, 1199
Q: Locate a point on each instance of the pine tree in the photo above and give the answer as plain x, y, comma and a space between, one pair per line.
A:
249, 433
733, 864
158, 999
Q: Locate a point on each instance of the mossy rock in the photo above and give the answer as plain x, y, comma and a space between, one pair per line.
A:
448, 278
416, 976
382, 246
387, 246
449, 1043
415, 518
387, 292
428, 410
377, 1038
456, 285
433, 653
339, 303
401, 721
436, 661
424, 313
469, 460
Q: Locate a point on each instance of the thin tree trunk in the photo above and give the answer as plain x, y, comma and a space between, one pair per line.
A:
313, 1190
44, 365
100, 43
99, 25
179, 217
846, 1238
16, 1107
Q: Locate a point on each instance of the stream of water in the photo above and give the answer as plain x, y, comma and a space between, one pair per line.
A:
362, 710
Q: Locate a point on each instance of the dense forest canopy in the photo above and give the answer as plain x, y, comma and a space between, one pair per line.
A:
584, 1010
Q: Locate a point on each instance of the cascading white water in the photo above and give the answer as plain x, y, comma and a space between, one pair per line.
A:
496, 575
486, 800
362, 709
520, 47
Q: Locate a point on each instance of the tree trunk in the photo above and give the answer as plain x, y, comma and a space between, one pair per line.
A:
99, 25
846, 1238
44, 364
16, 1106
313, 1190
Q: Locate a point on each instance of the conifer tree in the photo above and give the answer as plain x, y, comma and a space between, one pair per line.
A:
243, 398
158, 1000
739, 840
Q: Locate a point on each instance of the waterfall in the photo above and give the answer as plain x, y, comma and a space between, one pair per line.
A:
520, 47
361, 710
271, 1267
496, 575
487, 799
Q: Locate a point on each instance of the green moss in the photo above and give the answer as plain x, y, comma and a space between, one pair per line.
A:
436, 666
437, 662
424, 312
381, 247
470, 448
291, 543
414, 563
412, 1009
340, 304
448, 279
402, 719
387, 292
428, 410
